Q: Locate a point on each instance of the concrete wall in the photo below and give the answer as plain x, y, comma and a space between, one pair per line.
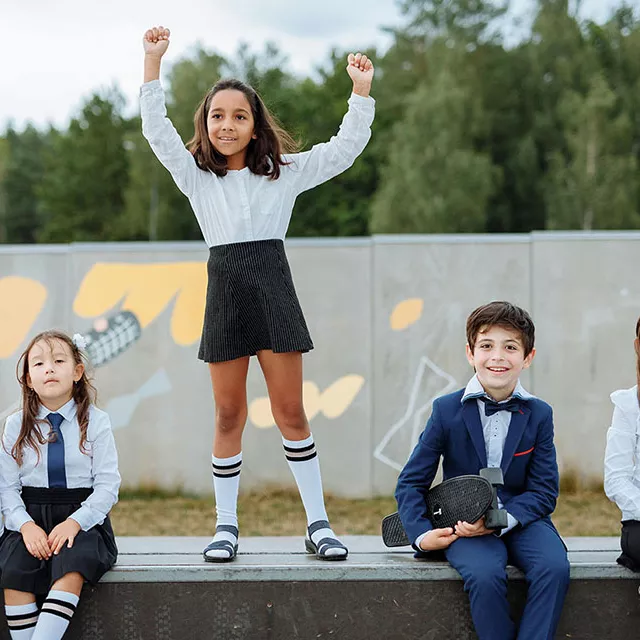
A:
387, 317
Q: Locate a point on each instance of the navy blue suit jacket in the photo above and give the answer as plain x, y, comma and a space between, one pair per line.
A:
454, 431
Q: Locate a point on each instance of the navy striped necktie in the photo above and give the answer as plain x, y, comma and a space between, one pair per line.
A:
55, 454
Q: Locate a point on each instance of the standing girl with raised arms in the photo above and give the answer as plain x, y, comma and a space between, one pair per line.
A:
242, 186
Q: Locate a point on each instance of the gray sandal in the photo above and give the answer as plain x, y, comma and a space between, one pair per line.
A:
222, 545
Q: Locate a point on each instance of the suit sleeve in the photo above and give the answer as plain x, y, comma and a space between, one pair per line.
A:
538, 500
415, 479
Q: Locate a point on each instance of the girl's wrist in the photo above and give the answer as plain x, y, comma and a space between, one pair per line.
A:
361, 89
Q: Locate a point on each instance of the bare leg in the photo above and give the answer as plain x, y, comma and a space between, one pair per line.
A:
283, 375
229, 382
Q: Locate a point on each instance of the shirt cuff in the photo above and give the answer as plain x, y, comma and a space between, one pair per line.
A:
355, 98
85, 517
19, 519
418, 540
148, 87
511, 523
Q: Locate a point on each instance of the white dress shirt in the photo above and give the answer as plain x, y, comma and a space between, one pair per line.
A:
494, 430
243, 206
622, 455
96, 469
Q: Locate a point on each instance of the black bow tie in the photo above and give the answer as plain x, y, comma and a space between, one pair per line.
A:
491, 406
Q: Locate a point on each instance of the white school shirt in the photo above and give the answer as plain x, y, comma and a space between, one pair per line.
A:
242, 206
494, 430
622, 455
97, 469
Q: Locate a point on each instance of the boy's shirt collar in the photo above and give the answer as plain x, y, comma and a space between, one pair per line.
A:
475, 390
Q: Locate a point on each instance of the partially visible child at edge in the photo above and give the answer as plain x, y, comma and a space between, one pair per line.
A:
59, 480
495, 422
622, 466
242, 190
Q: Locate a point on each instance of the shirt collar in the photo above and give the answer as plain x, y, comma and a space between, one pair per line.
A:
475, 390
67, 411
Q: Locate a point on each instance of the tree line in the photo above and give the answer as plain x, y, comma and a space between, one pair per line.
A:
470, 135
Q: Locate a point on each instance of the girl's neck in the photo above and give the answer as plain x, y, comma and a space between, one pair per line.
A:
53, 404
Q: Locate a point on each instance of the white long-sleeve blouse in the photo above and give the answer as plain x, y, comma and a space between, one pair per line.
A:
242, 206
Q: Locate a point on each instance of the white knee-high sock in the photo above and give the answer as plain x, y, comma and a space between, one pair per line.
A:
55, 615
21, 620
303, 461
226, 484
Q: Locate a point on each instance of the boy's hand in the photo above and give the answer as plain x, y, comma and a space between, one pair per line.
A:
64, 532
360, 70
156, 41
438, 539
35, 539
466, 530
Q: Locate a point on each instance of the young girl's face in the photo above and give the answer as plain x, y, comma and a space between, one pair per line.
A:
230, 124
52, 372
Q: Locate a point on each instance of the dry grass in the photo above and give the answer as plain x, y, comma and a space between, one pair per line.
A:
279, 512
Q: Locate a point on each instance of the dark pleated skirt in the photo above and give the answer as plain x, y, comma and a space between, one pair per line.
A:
93, 553
251, 303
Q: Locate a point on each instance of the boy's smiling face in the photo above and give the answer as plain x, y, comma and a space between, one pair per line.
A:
498, 358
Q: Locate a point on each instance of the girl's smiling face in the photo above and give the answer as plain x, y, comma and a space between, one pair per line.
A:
52, 372
230, 124
498, 358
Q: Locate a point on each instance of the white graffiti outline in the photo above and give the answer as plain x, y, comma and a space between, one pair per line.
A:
418, 421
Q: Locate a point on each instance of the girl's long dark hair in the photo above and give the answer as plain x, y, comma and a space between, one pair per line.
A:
264, 153
84, 394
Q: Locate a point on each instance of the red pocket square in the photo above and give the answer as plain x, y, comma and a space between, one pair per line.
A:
523, 453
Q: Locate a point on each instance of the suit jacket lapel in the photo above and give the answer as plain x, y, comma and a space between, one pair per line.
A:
474, 427
519, 421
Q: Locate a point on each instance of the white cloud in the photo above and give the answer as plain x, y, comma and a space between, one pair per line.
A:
55, 53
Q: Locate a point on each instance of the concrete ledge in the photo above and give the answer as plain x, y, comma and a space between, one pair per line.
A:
278, 559
163, 590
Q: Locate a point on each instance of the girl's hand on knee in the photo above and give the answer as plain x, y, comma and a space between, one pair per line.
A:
466, 530
156, 41
64, 532
360, 70
35, 540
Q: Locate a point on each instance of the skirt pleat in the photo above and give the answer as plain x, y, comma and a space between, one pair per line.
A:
93, 553
251, 303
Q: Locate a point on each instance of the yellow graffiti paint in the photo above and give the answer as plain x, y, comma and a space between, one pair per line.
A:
24, 299
406, 313
333, 402
146, 290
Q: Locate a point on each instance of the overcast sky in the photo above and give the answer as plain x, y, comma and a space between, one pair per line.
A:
53, 53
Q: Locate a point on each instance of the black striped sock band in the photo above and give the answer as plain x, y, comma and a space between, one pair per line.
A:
22, 621
300, 454
58, 608
226, 470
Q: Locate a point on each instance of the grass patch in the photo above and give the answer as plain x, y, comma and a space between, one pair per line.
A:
278, 512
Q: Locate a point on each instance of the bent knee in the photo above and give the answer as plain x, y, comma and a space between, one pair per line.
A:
230, 417
289, 415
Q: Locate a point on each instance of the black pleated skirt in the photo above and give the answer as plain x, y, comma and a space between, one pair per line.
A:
93, 553
251, 303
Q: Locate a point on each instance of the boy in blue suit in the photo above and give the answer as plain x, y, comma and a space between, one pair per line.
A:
494, 422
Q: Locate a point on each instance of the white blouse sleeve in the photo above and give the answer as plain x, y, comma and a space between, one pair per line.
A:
165, 140
13, 509
328, 159
620, 463
106, 478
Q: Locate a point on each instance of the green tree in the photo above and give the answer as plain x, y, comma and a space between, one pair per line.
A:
86, 173
23, 171
595, 185
435, 181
